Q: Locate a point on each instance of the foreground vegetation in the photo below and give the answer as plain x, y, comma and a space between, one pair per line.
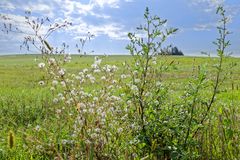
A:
28, 110
119, 107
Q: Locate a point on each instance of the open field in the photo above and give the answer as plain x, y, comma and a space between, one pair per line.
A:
25, 105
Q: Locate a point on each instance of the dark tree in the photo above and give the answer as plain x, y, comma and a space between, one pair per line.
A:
171, 51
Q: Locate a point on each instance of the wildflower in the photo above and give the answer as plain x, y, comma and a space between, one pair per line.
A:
134, 88
55, 100
67, 58
94, 66
85, 70
41, 83
58, 111
37, 128
114, 81
156, 102
148, 94
98, 61
95, 98
97, 71
158, 84
80, 106
51, 61
97, 130
114, 68
92, 79
137, 80
54, 82
91, 110
119, 130
81, 74
154, 60
135, 72
123, 76
93, 136
61, 72
88, 141
63, 84
103, 78
39, 147
41, 65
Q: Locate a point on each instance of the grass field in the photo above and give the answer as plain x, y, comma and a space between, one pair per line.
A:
25, 105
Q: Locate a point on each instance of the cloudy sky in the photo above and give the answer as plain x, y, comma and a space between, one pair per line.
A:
111, 20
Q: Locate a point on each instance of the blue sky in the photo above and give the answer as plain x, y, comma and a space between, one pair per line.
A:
111, 20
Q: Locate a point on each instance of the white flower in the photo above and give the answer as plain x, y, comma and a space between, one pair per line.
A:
41, 83
156, 102
88, 142
154, 60
97, 61
158, 84
85, 70
148, 94
114, 68
93, 136
135, 72
37, 128
134, 88
94, 66
137, 80
114, 81
73, 92
63, 83
51, 61
97, 130
67, 58
58, 111
54, 82
95, 98
61, 72
92, 79
97, 71
103, 78
41, 65
123, 76
55, 100
119, 130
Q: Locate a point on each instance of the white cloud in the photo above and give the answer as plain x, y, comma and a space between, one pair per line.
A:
204, 27
23, 29
103, 3
38, 7
208, 5
6, 5
112, 30
72, 11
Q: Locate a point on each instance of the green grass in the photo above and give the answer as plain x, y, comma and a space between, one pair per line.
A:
24, 104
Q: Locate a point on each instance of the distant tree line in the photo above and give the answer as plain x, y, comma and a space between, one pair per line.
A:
170, 50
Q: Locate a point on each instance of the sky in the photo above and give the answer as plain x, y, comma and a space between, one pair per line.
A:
111, 20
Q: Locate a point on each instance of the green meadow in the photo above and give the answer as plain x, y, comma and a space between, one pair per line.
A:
24, 104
